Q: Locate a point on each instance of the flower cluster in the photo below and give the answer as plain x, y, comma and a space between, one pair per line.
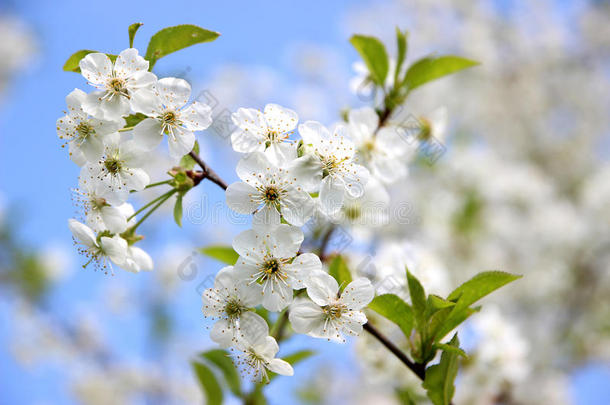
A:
109, 133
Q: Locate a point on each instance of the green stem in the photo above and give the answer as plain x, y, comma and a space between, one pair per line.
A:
169, 193
159, 183
161, 200
125, 129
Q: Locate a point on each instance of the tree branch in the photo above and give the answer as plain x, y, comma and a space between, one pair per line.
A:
208, 172
418, 369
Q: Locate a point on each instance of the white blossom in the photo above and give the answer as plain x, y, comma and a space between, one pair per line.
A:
165, 104
118, 171
99, 249
83, 133
258, 355
268, 191
231, 302
328, 315
116, 82
329, 162
264, 131
268, 261
99, 214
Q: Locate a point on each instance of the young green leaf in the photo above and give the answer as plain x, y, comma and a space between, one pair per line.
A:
440, 377
173, 39
71, 64
209, 383
133, 28
432, 68
396, 310
224, 254
220, 358
449, 348
401, 40
468, 293
178, 210
339, 270
134, 119
418, 300
373, 53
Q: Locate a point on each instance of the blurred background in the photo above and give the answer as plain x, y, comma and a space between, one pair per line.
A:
523, 185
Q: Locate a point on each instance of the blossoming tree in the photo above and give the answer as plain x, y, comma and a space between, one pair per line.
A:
291, 174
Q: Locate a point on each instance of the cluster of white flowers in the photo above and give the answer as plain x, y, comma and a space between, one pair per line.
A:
286, 180
112, 155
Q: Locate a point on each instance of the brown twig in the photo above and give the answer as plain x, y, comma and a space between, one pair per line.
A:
208, 172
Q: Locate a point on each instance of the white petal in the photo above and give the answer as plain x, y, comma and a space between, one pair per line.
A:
253, 167
358, 294
92, 148
197, 116
222, 333
363, 123
297, 207
115, 248
322, 288
252, 326
181, 142
114, 219
286, 241
129, 62
302, 267
96, 67
280, 119
251, 131
136, 179
355, 178
305, 315
174, 92
147, 102
280, 366
242, 198
249, 244
142, 259
332, 191
266, 218
313, 132
148, 133
276, 296
82, 233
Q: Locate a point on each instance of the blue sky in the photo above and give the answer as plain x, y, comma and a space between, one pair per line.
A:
36, 175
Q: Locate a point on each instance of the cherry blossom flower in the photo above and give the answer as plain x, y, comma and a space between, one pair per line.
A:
268, 261
328, 315
258, 355
382, 150
268, 191
116, 83
118, 171
99, 214
100, 249
82, 133
230, 301
329, 159
166, 103
264, 131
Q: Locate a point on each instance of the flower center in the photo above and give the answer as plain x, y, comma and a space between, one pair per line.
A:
97, 203
352, 212
271, 266
233, 309
169, 118
271, 194
84, 129
116, 85
113, 165
335, 310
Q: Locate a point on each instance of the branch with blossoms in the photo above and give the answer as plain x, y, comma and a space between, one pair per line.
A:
290, 174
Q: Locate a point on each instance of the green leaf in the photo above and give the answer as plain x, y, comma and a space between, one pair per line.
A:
178, 210
373, 53
440, 377
224, 254
71, 64
220, 358
396, 310
401, 40
339, 270
432, 68
481, 285
208, 382
173, 39
418, 300
134, 119
133, 28
187, 162
294, 359
452, 349
468, 293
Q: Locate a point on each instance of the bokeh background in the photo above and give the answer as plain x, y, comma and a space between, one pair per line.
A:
523, 186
